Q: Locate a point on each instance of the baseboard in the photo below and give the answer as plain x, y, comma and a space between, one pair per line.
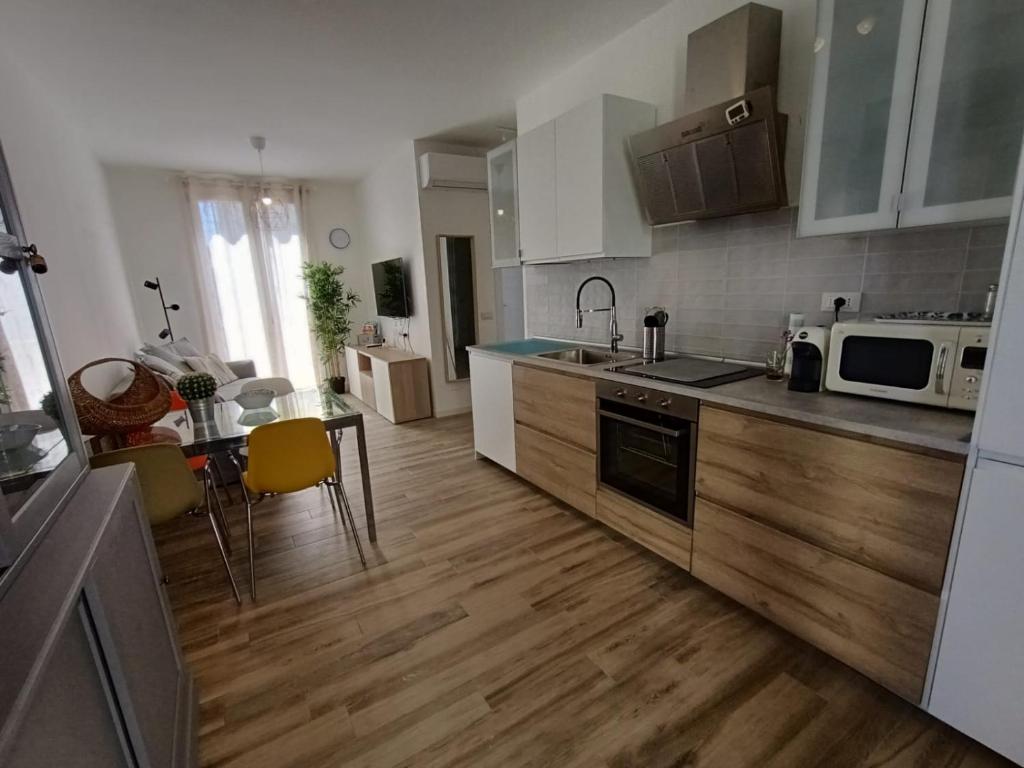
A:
453, 412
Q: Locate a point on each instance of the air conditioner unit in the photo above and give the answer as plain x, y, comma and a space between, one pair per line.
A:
442, 171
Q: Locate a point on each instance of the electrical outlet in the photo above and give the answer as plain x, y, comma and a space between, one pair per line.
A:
852, 301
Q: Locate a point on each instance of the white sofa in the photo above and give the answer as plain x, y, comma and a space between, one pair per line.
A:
168, 362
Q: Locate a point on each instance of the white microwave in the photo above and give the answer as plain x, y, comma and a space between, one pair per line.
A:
939, 364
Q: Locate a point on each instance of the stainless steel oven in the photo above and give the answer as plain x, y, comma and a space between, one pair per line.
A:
647, 447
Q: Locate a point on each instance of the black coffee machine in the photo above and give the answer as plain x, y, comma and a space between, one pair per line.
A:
810, 356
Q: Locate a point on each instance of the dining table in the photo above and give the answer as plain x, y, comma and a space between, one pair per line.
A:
229, 425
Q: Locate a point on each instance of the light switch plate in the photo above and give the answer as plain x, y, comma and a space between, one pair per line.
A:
852, 301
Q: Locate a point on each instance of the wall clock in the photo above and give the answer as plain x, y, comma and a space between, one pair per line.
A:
339, 238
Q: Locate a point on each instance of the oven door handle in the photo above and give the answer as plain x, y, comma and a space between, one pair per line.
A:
675, 433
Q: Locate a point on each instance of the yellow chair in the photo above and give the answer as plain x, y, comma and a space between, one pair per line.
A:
288, 456
170, 489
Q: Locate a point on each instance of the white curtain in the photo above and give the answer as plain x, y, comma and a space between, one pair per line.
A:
250, 278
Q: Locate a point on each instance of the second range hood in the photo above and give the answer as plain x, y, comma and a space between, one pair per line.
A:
726, 158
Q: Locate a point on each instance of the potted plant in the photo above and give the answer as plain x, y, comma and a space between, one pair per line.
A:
198, 389
330, 303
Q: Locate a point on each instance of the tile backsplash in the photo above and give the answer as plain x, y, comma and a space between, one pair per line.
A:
730, 284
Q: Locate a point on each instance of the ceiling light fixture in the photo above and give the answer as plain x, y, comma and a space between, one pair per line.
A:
268, 211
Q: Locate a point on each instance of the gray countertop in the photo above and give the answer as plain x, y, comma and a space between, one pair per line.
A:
910, 425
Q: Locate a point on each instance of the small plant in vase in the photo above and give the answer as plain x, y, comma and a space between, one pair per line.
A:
330, 304
198, 389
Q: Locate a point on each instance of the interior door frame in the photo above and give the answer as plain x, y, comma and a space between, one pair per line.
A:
441, 292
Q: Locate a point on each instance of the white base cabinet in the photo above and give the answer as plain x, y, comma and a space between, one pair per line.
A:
494, 423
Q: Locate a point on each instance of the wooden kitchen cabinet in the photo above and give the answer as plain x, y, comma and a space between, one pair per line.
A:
556, 434
558, 404
671, 540
565, 471
878, 625
885, 508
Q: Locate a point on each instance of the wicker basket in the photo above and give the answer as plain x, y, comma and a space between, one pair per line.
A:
146, 401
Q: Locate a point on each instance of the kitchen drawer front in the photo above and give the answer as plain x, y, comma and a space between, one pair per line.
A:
671, 540
888, 509
876, 624
565, 471
560, 405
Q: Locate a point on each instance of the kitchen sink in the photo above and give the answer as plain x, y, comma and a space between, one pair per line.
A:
588, 356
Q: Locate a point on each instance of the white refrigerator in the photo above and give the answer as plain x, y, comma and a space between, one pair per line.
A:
977, 674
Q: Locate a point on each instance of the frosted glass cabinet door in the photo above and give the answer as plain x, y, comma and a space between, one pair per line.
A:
859, 114
501, 191
968, 112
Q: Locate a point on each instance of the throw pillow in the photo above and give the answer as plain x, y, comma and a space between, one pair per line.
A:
160, 366
220, 370
164, 352
184, 347
212, 365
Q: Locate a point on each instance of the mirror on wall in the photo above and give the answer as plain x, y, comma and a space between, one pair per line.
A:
458, 303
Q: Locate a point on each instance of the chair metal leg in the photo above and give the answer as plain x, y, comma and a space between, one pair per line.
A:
211, 490
334, 507
224, 556
343, 503
248, 518
220, 479
252, 545
220, 539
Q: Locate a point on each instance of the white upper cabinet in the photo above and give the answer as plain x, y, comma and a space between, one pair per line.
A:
858, 120
535, 160
503, 198
880, 154
577, 168
968, 112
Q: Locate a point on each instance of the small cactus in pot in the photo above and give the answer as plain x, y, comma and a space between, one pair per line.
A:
198, 389
196, 386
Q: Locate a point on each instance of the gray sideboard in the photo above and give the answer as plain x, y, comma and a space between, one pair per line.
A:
92, 674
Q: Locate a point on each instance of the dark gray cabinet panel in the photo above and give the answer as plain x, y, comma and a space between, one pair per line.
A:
92, 675
135, 634
70, 721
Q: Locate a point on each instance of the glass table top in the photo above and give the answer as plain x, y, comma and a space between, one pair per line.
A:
231, 424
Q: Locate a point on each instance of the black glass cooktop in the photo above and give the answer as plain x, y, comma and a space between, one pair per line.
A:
691, 371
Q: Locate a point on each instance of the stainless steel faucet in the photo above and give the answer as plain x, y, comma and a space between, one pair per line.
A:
613, 323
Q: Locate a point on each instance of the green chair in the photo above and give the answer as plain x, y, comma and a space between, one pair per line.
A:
170, 489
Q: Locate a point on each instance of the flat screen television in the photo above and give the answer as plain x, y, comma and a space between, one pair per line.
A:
390, 289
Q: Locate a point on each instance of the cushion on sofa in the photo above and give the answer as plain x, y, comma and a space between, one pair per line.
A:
160, 366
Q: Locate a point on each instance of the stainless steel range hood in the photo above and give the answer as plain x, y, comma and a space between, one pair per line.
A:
725, 157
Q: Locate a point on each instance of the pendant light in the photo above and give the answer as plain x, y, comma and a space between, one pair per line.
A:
268, 210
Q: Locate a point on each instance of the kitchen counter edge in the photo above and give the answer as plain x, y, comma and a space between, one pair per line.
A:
939, 431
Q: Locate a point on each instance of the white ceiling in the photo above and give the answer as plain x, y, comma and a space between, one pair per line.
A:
332, 84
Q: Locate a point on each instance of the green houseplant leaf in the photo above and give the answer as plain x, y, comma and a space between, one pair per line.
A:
330, 305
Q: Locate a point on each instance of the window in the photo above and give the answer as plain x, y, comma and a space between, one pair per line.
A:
251, 281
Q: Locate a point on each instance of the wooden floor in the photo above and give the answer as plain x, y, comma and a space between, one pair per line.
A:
496, 627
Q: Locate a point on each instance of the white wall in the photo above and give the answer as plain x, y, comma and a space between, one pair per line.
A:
389, 210
153, 230
65, 210
455, 212
336, 204
648, 62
